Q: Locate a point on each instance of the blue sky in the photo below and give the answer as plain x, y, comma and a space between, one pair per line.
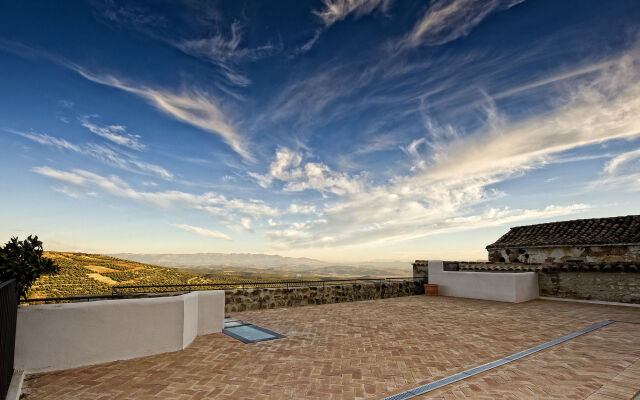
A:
336, 129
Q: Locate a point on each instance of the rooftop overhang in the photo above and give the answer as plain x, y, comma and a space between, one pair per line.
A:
490, 247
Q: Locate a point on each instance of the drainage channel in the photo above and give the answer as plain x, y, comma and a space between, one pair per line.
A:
248, 333
420, 390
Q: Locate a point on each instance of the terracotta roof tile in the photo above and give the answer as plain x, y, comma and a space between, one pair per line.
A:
595, 231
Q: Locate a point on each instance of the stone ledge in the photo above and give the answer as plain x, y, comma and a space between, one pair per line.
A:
565, 267
265, 298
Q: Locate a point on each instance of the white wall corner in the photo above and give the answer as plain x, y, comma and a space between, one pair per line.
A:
190, 325
210, 311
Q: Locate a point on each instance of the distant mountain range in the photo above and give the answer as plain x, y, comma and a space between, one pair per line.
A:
302, 266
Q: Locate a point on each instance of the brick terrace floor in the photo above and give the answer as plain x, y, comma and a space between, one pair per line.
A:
371, 349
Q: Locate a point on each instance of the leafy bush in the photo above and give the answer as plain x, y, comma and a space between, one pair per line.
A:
22, 260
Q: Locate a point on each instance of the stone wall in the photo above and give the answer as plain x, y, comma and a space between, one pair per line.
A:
617, 282
623, 253
623, 287
421, 269
263, 298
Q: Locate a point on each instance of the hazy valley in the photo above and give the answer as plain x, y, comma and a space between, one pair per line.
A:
260, 266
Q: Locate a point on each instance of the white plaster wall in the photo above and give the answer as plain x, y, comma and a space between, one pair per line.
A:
210, 311
509, 286
190, 324
53, 337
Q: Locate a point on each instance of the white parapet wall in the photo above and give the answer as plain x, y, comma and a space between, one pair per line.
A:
54, 337
513, 287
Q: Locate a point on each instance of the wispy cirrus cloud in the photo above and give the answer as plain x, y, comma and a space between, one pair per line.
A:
115, 133
203, 231
445, 21
46, 140
235, 213
192, 106
454, 173
126, 162
337, 10
333, 11
620, 172
226, 52
624, 161
67, 192
223, 48
104, 153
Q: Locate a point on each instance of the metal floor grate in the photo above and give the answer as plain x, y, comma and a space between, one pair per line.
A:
420, 390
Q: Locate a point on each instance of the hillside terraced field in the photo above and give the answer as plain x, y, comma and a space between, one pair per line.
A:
94, 274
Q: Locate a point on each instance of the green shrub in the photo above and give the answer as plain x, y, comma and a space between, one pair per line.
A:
22, 260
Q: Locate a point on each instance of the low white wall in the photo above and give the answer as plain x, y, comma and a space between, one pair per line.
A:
53, 337
501, 286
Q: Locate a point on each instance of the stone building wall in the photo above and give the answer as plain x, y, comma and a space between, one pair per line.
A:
623, 287
263, 298
626, 253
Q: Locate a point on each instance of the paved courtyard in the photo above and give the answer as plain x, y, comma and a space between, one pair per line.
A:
372, 349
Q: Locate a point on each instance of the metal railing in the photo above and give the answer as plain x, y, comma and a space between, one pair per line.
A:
118, 292
8, 314
285, 284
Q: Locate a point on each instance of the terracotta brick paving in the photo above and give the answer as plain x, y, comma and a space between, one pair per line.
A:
371, 349
604, 364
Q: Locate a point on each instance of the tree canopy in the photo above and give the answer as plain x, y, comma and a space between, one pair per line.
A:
22, 260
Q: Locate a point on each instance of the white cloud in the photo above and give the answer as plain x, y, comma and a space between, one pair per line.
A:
68, 177
153, 169
310, 43
445, 20
103, 153
216, 47
454, 172
67, 192
115, 133
497, 217
125, 161
232, 212
225, 51
621, 172
203, 231
246, 223
47, 140
337, 10
296, 176
625, 159
288, 235
193, 107
302, 209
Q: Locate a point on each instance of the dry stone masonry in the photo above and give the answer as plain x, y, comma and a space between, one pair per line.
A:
263, 298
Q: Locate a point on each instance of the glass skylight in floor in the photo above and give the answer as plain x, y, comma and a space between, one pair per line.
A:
248, 333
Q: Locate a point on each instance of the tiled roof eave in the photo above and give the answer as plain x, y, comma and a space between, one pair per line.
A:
527, 246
